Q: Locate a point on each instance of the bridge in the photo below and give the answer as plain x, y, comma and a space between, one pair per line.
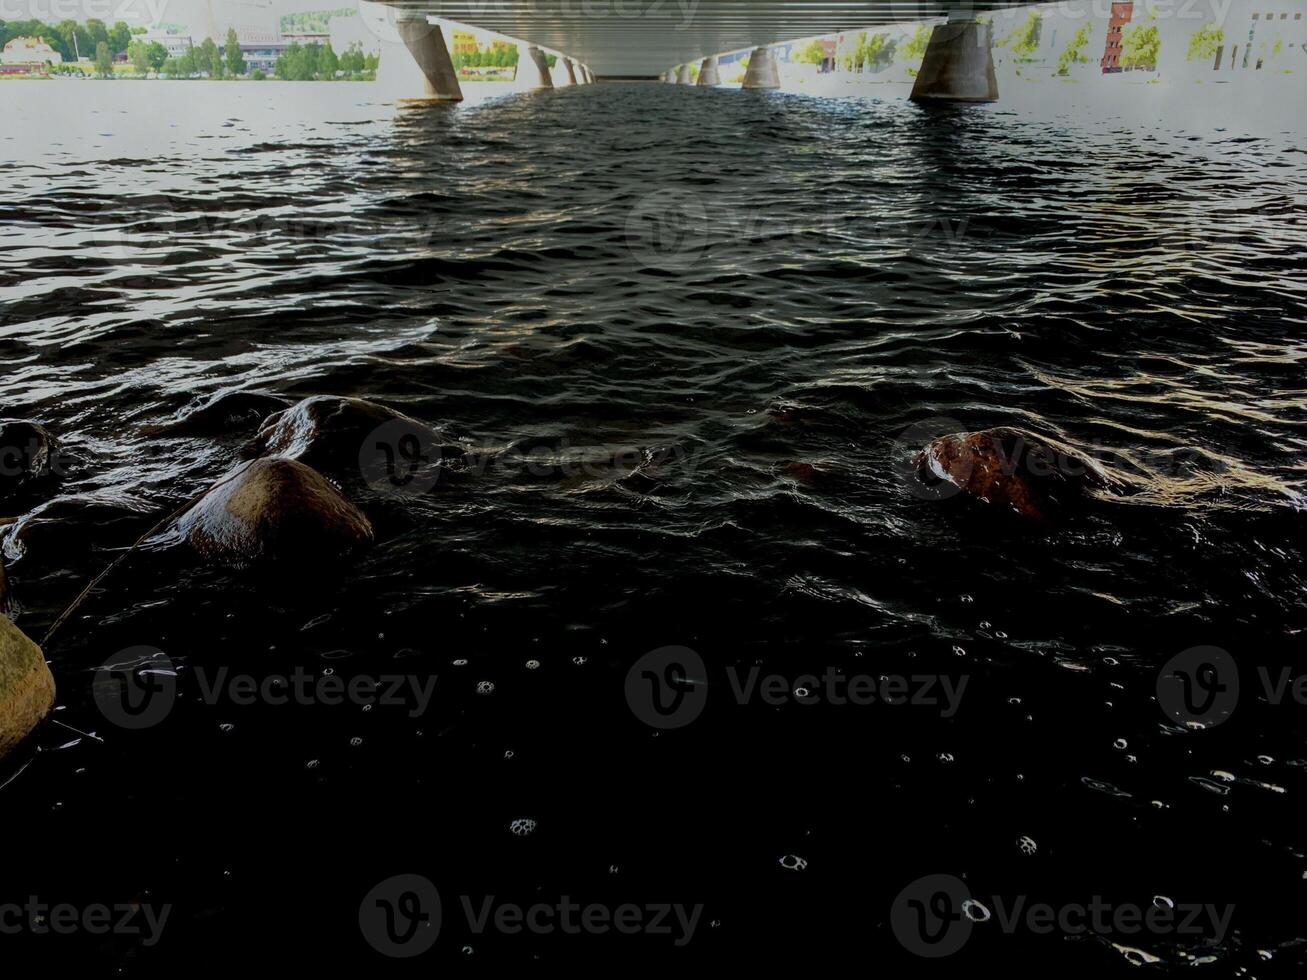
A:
651, 39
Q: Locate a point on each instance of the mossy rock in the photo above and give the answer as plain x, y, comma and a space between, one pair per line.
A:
26, 686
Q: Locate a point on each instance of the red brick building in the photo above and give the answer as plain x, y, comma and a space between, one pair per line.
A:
1121, 14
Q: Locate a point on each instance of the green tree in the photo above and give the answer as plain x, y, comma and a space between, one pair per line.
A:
232, 51
257, 75
1073, 53
328, 63
914, 48
1204, 42
95, 33
157, 55
208, 58
139, 54
103, 60
812, 53
119, 37
1140, 46
1024, 41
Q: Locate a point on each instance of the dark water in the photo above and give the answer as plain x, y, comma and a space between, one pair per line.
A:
748, 300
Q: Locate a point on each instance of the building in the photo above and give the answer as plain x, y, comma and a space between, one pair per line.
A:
1269, 27
305, 38
29, 52
175, 44
1120, 16
262, 55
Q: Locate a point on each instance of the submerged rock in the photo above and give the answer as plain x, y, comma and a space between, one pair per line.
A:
357, 442
327, 429
26, 686
219, 414
274, 509
29, 454
1014, 470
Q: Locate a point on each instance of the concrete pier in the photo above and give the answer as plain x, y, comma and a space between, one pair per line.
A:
683, 76
708, 74
571, 71
670, 76
532, 68
426, 43
959, 64
762, 72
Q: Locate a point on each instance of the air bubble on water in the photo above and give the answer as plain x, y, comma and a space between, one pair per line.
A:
905, 757
1221, 774
1120, 743
532, 664
328, 671
523, 827
467, 950
312, 764
1013, 700
355, 742
485, 687
1111, 661
1265, 760
226, 727
580, 661
985, 624
1027, 845
945, 757
1000, 634
460, 662
801, 692
975, 911
1162, 902
958, 651
792, 862
967, 598
613, 869
367, 707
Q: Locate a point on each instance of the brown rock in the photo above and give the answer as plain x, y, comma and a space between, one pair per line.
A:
274, 509
26, 686
1013, 470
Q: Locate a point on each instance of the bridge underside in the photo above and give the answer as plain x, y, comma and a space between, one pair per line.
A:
643, 38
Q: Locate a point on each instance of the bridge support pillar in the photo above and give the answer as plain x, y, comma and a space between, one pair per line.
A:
589, 76
426, 43
762, 72
532, 68
708, 71
571, 71
959, 64
683, 76
669, 75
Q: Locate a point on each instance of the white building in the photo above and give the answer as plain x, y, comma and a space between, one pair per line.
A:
176, 44
29, 51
